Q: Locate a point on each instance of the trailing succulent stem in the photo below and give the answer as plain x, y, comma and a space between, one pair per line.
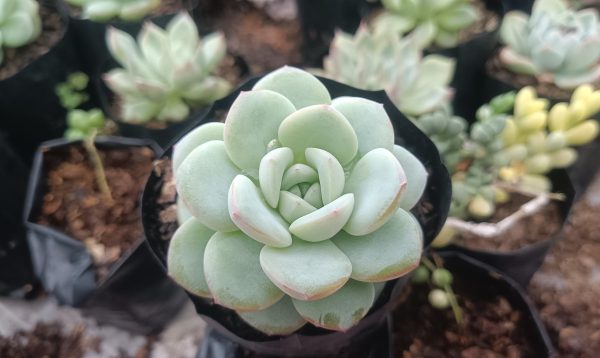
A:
90, 147
167, 72
555, 44
289, 223
20, 23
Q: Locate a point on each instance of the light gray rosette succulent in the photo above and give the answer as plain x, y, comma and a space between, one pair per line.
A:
555, 44
300, 206
20, 23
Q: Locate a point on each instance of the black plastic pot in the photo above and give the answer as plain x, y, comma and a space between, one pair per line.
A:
471, 57
30, 110
522, 264
520, 5
135, 295
15, 265
311, 341
487, 281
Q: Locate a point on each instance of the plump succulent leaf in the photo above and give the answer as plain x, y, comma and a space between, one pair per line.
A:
298, 173
106, 10
281, 318
20, 23
300, 87
195, 138
185, 259
293, 207
416, 177
341, 310
387, 253
231, 262
325, 222
330, 172
270, 173
306, 270
203, 181
377, 182
183, 213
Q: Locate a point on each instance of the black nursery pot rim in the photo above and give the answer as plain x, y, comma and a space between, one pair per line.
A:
61, 10
438, 190
37, 166
544, 341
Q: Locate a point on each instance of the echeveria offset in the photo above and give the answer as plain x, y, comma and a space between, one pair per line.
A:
105, 10
166, 72
433, 22
300, 206
20, 23
555, 44
374, 61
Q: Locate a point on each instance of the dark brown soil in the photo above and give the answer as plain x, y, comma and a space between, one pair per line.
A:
487, 21
491, 328
165, 7
495, 69
567, 287
530, 230
16, 59
265, 44
46, 340
73, 204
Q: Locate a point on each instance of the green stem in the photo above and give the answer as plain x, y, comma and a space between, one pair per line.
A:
90, 147
454, 304
430, 265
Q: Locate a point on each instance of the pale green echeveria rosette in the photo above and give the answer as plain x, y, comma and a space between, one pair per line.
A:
555, 44
166, 72
106, 10
368, 60
433, 22
20, 23
300, 206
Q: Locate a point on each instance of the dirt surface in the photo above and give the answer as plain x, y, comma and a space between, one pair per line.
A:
165, 7
73, 204
16, 59
547, 89
530, 230
265, 44
567, 287
491, 327
45, 340
487, 21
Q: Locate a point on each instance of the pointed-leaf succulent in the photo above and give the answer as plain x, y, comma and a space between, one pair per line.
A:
299, 206
167, 72
433, 22
555, 44
20, 23
416, 84
106, 10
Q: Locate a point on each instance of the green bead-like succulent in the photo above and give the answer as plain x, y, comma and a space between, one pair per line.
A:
82, 124
300, 206
556, 44
166, 72
374, 61
20, 23
433, 22
106, 10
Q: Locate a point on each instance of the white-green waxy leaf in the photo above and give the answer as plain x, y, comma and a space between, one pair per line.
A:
300, 87
516, 62
388, 253
340, 311
253, 122
203, 181
313, 195
513, 31
379, 286
292, 207
185, 259
195, 138
370, 122
319, 126
416, 177
182, 33
306, 270
331, 173
214, 48
136, 10
254, 217
183, 213
101, 10
234, 273
18, 30
377, 182
281, 318
270, 173
298, 173
152, 42
296, 191
324, 223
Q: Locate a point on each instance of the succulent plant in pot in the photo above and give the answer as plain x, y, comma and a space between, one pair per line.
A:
312, 196
166, 75
417, 84
20, 23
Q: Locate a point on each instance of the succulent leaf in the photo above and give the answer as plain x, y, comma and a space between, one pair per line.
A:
293, 207
330, 172
416, 177
280, 318
195, 138
270, 173
325, 222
